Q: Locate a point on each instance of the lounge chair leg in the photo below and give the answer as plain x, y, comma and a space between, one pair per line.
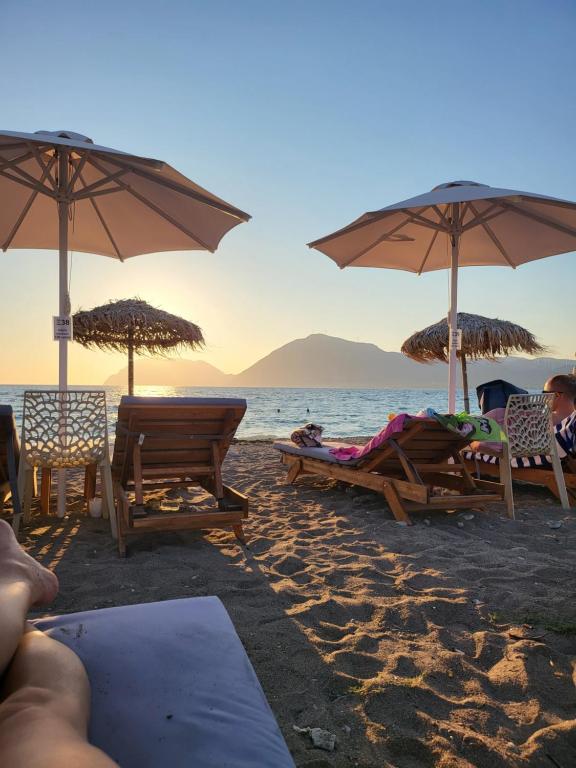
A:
560, 482
239, 532
506, 480
90, 482
395, 504
121, 513
108, 508
27, 491
294, 471
45, 490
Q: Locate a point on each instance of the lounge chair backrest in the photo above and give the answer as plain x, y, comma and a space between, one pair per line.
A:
64, 429
422, 441
8, 441
174, 432
528, 424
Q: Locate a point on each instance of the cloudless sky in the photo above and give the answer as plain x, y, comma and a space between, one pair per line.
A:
305, 114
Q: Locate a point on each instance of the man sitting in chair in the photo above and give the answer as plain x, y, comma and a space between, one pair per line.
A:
563, 386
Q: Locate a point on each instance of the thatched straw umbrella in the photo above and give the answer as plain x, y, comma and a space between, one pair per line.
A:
135, 326
482, 337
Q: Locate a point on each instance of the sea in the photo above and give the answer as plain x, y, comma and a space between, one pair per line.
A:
276, 412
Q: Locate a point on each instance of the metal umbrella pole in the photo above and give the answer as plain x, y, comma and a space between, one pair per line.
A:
64, 309
453, 312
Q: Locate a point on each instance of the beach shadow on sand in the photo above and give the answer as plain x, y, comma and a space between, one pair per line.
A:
450, 643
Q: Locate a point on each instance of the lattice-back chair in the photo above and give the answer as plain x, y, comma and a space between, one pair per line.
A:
63, 430
528, 424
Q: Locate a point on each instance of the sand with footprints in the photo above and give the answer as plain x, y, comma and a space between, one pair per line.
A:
451, 643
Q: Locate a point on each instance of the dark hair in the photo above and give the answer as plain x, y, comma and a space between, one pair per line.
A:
565, 383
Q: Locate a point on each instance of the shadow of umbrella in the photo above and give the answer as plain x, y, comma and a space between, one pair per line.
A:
482, 338
133, 326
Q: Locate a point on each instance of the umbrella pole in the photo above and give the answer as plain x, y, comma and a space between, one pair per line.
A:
64, 305
465, 382
453, 313
130, 362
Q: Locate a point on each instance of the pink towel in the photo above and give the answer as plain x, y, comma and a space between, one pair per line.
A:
357, 451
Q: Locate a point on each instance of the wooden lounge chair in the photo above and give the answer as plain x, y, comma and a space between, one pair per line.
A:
411, 470
175, 442
531, 453
9, 459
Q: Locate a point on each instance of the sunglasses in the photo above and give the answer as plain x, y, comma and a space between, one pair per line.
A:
552, 392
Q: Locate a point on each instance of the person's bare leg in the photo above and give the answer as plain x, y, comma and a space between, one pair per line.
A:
23, 583
45, 694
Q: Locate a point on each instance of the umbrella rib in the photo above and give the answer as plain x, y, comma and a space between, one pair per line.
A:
77, 171
352, 227
102, 221
18, 224
490, 213
376, 242
35, 186
159, 211
42, 164
493, 237
541, 219
90, 188
10, 163
224, 207
434, 236
409, 218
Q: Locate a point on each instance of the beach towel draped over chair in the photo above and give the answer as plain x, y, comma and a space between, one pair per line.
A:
175, 442
418, 469
534, 449
65, 430
9, 461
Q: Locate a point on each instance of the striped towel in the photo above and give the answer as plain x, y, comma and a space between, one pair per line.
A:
565, 432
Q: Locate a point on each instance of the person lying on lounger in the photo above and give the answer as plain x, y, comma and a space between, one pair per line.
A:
44, 690
563, 387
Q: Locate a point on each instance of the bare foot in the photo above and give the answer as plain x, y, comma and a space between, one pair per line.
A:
17, 566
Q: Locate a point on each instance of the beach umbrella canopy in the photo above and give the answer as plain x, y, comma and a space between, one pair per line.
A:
482, 337
461, 223
132, 325
59, 190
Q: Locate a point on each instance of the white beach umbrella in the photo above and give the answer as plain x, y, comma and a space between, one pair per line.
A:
59, 190
461, 223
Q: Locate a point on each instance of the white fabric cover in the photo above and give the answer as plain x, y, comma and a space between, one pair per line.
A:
172, 686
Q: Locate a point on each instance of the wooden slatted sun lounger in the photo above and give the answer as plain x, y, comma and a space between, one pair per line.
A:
9, 458
413, 470
476, 464
172, 442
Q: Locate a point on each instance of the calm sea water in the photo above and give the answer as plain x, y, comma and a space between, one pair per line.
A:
276, 412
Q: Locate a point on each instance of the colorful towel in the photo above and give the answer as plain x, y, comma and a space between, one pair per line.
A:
474, 427
357, 451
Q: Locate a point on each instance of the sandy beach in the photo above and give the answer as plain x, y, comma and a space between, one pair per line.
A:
451, 643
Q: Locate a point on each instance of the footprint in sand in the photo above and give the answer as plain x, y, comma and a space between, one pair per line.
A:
357, 665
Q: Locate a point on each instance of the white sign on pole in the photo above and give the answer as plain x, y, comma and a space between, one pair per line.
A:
62, 327
456, 339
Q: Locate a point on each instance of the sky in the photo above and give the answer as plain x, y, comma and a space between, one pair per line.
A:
304, 114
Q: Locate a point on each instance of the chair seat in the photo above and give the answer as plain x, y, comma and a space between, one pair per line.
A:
172, 686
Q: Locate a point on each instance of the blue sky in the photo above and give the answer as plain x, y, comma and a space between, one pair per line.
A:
304, 114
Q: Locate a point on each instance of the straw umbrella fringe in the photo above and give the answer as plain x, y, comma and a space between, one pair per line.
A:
133, 325
482, 338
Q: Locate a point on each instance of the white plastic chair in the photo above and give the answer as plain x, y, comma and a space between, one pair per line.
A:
65, 430
530, 430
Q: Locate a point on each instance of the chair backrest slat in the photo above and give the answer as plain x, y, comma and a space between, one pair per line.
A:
173, 431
